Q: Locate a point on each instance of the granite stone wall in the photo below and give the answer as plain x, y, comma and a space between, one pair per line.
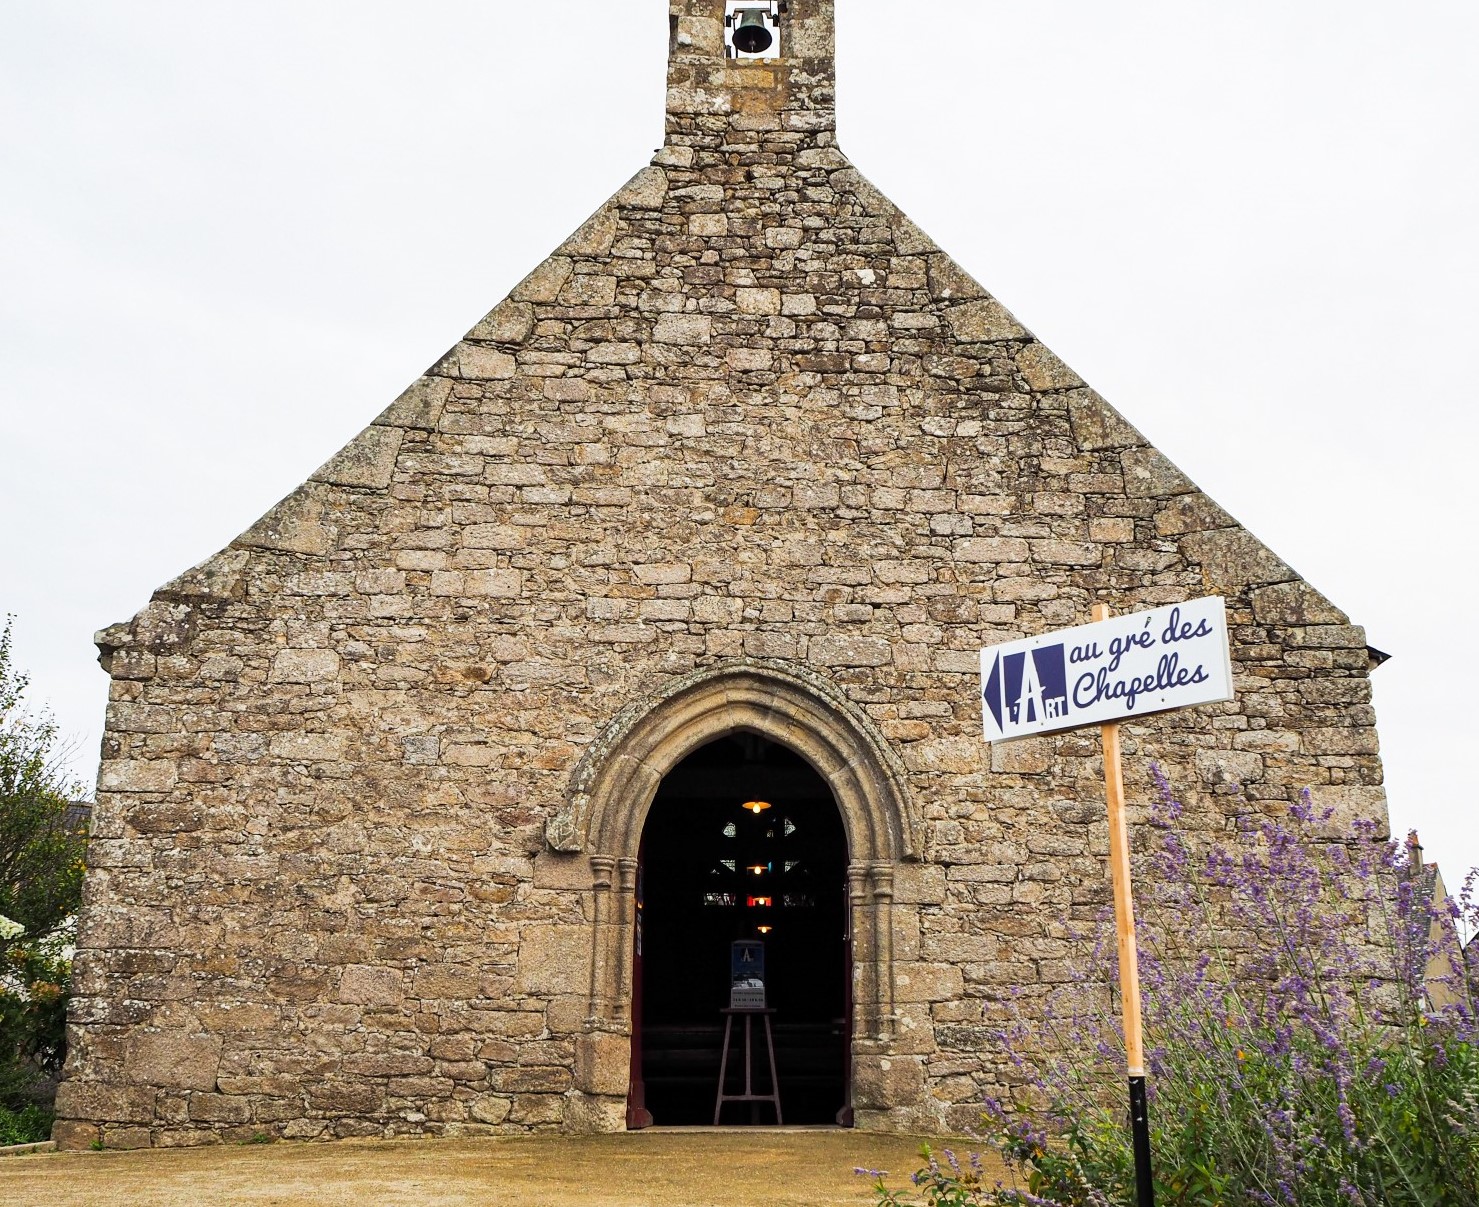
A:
747, 421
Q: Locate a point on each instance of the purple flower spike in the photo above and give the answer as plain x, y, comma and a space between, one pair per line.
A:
1311, 1025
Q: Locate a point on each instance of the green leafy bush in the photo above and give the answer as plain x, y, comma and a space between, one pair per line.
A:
41, 867
28, 1125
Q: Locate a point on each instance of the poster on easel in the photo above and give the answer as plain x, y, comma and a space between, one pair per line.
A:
747, 975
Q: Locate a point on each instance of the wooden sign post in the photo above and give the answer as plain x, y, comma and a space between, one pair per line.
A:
1100, 674
1129, 955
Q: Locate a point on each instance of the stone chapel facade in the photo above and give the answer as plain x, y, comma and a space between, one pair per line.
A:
748, 455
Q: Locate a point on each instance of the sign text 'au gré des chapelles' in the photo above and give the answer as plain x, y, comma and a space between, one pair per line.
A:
1142, 662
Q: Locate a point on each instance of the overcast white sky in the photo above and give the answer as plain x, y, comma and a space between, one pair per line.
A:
230, 235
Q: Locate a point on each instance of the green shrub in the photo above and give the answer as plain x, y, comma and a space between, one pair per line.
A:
35, 983
29, 1125
41, 869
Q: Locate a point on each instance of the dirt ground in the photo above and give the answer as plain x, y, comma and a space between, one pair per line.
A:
700, 1168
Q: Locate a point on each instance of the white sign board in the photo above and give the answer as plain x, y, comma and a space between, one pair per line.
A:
1143, 662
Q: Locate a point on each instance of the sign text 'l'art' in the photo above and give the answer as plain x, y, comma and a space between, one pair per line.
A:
1143, 662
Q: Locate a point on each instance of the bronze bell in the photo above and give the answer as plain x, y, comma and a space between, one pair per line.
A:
751, 35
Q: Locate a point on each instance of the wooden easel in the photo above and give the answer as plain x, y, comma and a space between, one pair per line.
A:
774, 1097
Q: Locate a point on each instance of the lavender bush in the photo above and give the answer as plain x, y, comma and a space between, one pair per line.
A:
1310, 1030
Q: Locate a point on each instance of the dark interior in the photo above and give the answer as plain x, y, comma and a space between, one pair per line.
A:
700, 891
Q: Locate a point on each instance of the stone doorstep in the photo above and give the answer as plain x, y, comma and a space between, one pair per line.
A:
22, 1150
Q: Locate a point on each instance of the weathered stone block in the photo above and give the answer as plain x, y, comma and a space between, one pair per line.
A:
951, 755
478, 362
1231, 558
510, 322
555, 870
342, 1097
881, 1083
173, 1060
750, 360
1149, 475
499, 584
985, 321
1349, 804
224, 1018
919, 884
1024, 756
401, 1065
71, 1135
219, 578
663, 574
490, 1108
615, 353
124, 1139
595, 236
587, 289
420, 407
368, 986
553, 959
538, 1110
1067, 553
368, 460
758, 301
294, 526
1229, 766
547, 1080
708, 225
1190, 513
1044, 371
137, 775
949, 282
219, 1108
850, 651
646, 190
305, 666
1294, 603
545, 282
684, 329
104, 1103
1097, 425
928, 982
1341, 739
307, 747
603, 1064
991, 549
445, 981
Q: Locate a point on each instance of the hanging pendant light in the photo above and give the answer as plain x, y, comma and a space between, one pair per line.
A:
756, 807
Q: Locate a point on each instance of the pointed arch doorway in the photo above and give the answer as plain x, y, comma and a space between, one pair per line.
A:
609, 797
712, 871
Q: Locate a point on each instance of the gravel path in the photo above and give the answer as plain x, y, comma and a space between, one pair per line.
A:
700, 1168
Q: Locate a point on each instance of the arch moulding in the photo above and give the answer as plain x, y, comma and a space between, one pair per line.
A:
613, 784
606, 807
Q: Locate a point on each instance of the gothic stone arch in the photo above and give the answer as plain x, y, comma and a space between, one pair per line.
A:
610, 794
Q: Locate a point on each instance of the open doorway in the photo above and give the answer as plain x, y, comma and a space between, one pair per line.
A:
713, 871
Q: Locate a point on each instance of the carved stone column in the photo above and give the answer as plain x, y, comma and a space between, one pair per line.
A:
624, 906
864, 960
881, 878
600, 1008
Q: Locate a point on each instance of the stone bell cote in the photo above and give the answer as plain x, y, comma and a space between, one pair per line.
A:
741, 60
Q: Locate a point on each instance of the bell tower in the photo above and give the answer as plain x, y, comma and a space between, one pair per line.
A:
732, 62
